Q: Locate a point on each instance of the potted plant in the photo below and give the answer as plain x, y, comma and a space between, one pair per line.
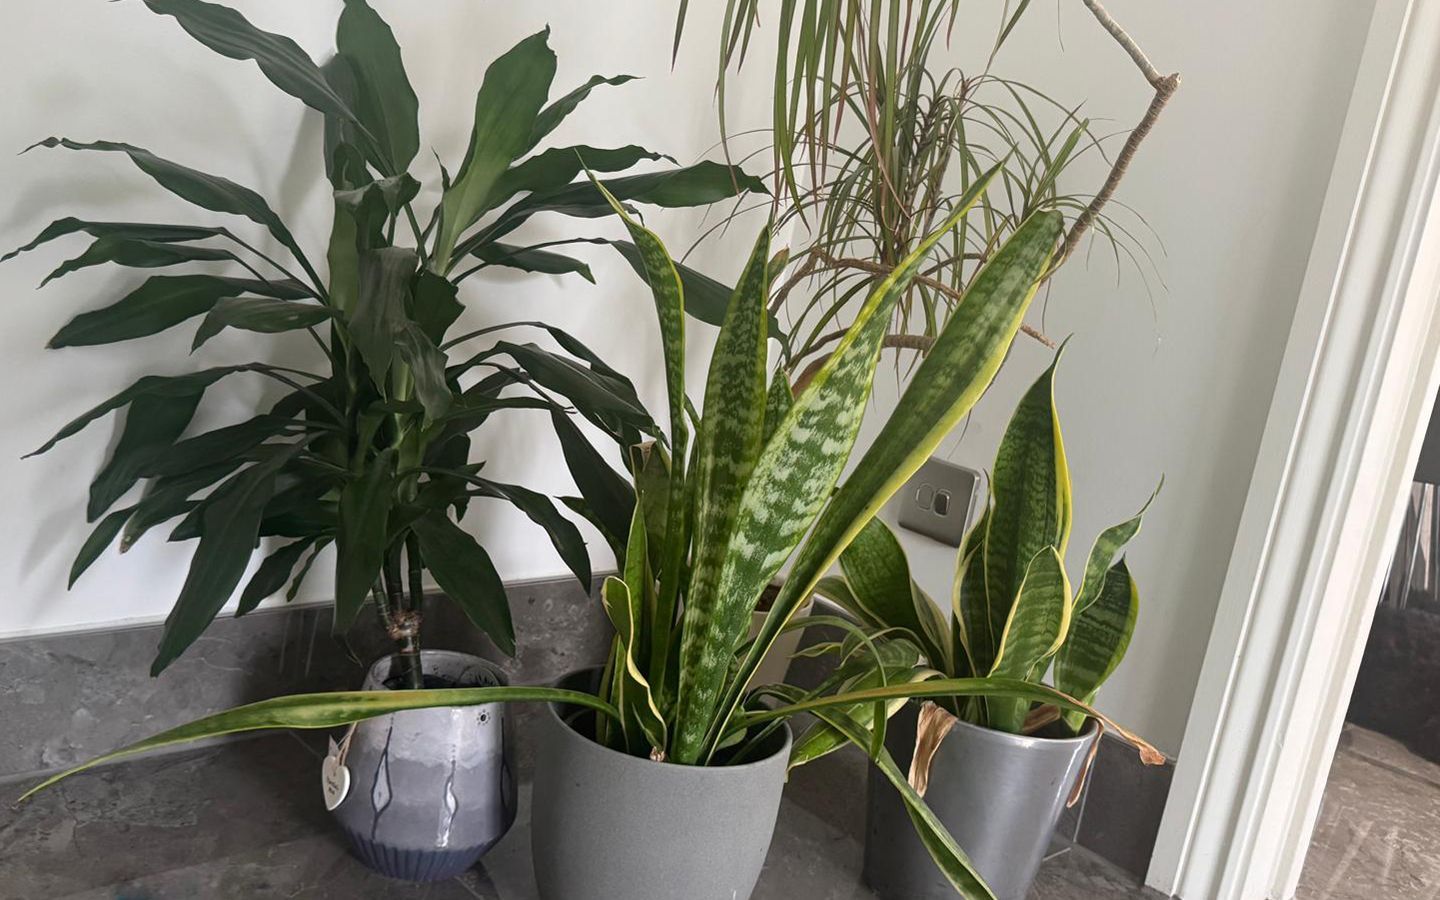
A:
645, 759
996, 771
367, 450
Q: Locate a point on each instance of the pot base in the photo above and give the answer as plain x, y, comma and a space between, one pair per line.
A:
408, 864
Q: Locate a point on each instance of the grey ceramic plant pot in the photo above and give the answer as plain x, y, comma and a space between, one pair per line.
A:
607, 826
1000, 795
430, 789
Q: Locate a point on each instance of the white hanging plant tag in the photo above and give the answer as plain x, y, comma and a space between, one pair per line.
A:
334, 775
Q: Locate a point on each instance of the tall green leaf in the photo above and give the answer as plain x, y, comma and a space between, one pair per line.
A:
1106, 548
726, 449
1031, 491
537, 507
669, 297
229, 530
387, 107
467, 576
1099, 636
506, 107
329, 711
1035, 629
879, 577
958, 369
623, 610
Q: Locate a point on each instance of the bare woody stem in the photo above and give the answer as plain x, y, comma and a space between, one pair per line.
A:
1165, 87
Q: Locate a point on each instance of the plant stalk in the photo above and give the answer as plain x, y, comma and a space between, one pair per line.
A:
403, 626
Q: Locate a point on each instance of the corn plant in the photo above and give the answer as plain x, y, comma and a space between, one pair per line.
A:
369, 449
1014, 611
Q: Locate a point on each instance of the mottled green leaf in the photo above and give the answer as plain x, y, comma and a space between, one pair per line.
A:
1033, 632
1099, 636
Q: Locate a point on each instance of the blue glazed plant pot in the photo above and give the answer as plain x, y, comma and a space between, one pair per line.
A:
431, 790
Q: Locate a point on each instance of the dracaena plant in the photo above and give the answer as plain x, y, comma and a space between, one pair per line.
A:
369, 448
875, 140
1015, 613
705, 519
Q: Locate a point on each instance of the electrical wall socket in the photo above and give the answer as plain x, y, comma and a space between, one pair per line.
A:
938, 500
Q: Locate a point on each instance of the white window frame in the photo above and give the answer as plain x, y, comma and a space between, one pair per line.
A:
1356, 387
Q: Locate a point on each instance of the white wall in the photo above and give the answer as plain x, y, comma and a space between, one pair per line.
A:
94, 70
1232, 179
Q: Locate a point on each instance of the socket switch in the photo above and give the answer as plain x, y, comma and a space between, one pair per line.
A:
938, 501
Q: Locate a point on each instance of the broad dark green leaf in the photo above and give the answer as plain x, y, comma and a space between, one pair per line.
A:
152, 425
260, 314
101, 537
168, 497
531, 259
305, 568
230, 529
135, 231
562, 532
162, 302
282, 61
388, 106
698, 185
609, 498
153, 385
361, 536
510, 98
137, 254
270, 578
427, 367
554, 169
207, 191
215, 446
379, 315
552, 115
433, 304
602, 398
464, 572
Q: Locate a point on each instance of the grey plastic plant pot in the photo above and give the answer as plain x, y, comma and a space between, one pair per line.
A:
1000, 795
608, 826
430, 789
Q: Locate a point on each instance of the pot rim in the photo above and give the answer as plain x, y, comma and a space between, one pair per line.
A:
736, 770
470, 659
1087, 734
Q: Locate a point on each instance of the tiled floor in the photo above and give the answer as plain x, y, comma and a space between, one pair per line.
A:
1379, 829
243, 821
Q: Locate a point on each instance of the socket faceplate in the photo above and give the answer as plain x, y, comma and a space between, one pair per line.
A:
938, 500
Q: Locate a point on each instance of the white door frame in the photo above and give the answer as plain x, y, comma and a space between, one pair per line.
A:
1356, 386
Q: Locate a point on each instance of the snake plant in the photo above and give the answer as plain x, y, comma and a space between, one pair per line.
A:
369, 448
1015, 613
